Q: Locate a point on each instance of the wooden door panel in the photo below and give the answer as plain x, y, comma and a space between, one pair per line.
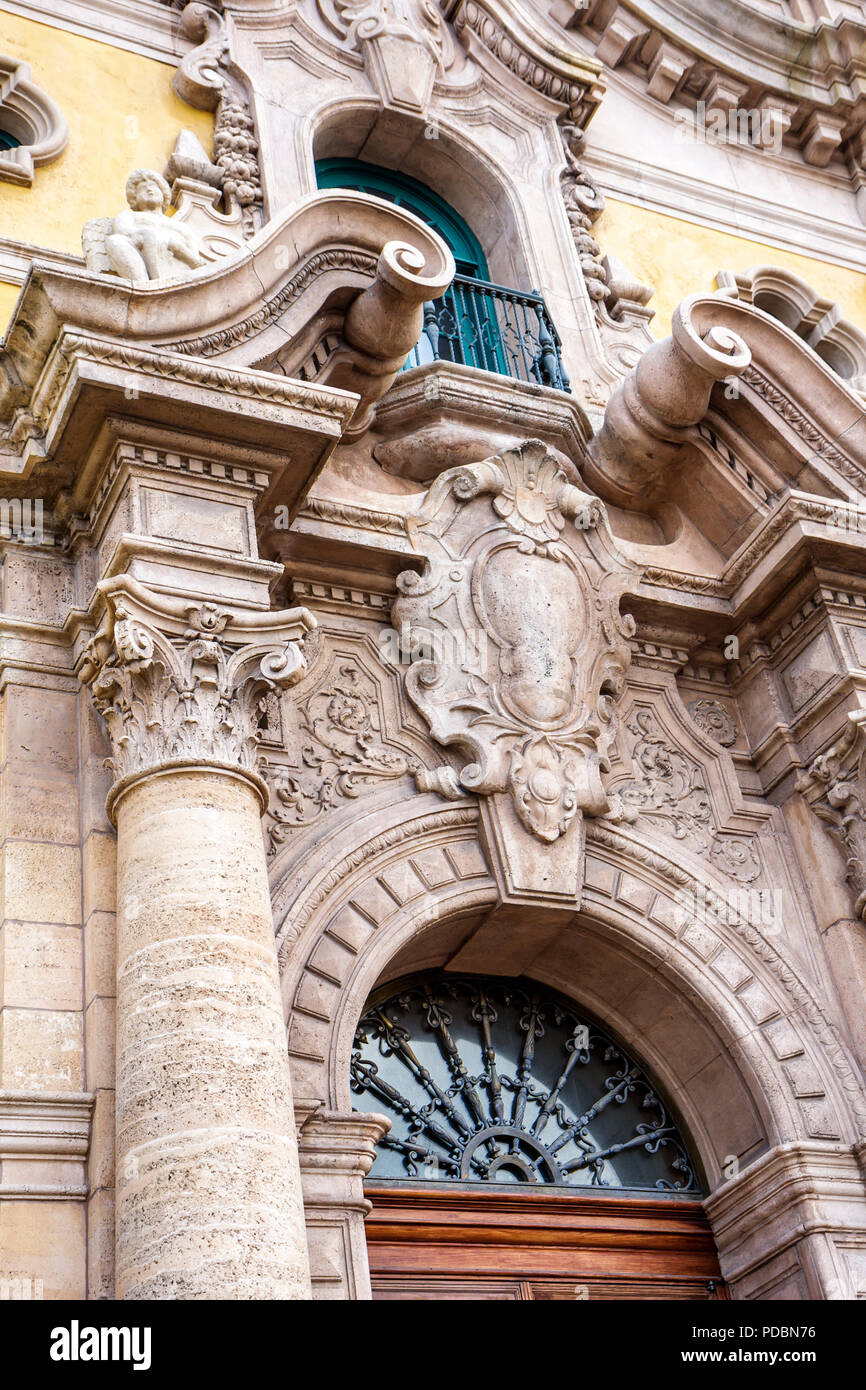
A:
461, 1243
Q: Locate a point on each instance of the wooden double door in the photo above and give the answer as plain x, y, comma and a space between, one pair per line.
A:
456, 1242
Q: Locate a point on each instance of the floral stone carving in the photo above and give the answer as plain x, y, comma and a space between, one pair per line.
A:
834, 787
715, 721
183, 685
669, 790
519, 648
342, 753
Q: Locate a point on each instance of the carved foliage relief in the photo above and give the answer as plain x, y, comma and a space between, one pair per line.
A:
188, 683
835, 789
338, 750
519, 647
668, 792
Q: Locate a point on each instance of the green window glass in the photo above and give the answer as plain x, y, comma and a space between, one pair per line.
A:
408, 193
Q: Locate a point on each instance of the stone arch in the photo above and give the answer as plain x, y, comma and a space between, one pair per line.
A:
452, 164
705, 1000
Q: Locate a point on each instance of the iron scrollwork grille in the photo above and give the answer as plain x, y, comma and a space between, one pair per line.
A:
496, 329
490, 1080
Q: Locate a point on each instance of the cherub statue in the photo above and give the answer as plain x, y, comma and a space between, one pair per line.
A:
141, 243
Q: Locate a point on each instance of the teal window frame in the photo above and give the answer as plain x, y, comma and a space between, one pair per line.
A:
466, 249
408, 193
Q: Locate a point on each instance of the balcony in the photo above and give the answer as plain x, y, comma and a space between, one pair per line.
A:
479, 324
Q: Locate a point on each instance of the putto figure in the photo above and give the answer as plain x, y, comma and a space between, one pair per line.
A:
141, 243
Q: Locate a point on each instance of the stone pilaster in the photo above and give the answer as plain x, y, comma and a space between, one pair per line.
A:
793, 1224
208, 1187
336, 1154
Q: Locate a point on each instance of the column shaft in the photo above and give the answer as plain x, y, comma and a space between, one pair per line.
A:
209, 1195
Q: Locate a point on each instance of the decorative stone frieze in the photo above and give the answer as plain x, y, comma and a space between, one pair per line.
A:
181, 685
835, 787
519, 648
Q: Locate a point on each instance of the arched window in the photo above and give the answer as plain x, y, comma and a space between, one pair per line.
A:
491, 1080
476, 322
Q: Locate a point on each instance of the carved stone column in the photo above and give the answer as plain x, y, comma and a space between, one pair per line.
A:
208, 1186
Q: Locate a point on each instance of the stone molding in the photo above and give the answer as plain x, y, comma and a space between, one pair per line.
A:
180, 685
33, 118
816, 320
834, 785
340, 922
44, 1128
727, 53
336, 1152
530, 49
795, 1218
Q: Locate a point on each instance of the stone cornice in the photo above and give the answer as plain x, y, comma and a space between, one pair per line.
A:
148, 27
49, 1127
529, 48
729, 54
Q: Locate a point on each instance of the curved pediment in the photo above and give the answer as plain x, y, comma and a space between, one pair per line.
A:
339, 279
735, 406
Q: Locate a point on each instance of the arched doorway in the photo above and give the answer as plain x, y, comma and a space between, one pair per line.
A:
529, 1157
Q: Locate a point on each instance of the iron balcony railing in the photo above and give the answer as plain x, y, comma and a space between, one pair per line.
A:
499, 330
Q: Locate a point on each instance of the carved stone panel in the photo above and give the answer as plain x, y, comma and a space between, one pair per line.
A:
340, 750
519, 651
834, 787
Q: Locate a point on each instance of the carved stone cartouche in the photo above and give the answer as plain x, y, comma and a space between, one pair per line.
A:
515, 620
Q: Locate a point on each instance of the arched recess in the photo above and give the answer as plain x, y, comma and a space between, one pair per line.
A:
446, 161
708, 1004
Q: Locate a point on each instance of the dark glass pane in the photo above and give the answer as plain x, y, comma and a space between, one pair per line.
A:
490, 1080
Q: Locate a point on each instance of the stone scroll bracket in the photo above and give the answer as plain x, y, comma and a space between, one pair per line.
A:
834, 785
183, 685
519, 653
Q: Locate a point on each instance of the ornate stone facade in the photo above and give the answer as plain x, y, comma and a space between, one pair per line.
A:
391, 611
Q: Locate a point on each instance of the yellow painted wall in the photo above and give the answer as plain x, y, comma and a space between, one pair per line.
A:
122, 114
679, 258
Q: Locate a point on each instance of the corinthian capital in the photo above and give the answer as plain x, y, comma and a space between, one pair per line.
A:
835, 787
182, 685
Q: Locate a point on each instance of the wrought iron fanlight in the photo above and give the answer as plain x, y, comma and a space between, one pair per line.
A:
488, 1080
